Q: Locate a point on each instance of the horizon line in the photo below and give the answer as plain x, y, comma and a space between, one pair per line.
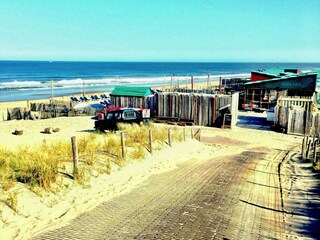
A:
129, 61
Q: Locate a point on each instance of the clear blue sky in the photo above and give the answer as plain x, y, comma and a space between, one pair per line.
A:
160, 30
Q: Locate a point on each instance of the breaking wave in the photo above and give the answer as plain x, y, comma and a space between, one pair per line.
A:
107, 82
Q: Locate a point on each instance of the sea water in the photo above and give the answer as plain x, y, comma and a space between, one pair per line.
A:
23, 80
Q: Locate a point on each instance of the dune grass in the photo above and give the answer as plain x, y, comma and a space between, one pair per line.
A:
41, 166
34, 167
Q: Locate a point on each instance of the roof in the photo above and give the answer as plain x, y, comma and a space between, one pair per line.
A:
132, 91
276, 71
303, 80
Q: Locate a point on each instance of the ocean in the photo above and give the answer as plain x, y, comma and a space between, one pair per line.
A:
28, 80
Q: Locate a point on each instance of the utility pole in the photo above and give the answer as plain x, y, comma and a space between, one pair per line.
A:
51, 89
83, 86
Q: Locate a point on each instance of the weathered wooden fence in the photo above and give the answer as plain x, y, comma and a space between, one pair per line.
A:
19, 113
296, 116
305, 103
49, 110
197, 108
201, 109
309, 149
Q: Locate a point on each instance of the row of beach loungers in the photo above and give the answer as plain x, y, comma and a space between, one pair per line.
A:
92, 98
105, 100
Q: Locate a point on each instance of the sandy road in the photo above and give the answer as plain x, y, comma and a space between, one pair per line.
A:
233, 197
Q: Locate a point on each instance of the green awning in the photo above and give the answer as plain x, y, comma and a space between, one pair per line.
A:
132, 91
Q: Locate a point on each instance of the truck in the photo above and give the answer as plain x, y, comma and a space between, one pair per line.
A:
110, 118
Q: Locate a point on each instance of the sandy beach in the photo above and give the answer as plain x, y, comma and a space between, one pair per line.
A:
231, 149
39, 211
70, 197
43, 210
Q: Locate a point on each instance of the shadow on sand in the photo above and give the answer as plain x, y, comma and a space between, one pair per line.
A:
303, 198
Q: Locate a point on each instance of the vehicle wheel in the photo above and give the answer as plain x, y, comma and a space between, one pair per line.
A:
100, 129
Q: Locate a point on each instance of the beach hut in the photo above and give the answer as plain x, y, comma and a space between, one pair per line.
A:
132, 96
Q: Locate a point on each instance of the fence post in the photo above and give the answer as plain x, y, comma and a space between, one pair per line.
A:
150, 140
184, 133
315, 151
122, 144
191, 133
306, 146
199, 131
74, 154
308, 149
169, 137
303, 146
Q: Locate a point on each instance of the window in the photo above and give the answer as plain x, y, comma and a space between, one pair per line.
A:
114, 115
109, 115
129, 114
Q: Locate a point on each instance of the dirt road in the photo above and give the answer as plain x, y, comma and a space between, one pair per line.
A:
232, 197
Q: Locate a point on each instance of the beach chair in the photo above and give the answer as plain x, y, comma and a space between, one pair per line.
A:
85, 99
96, 97
74, 99
103, 96
93, 98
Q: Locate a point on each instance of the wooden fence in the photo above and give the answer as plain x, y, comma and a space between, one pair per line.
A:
306, 102
309, 149
195, 134
197, 108
19, 113
297, 116
201, 109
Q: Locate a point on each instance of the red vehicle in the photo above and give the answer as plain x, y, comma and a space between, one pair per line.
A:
111, 117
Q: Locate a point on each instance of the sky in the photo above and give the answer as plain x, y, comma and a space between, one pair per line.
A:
161, 30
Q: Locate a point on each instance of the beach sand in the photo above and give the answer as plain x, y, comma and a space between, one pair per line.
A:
36, 212
29, 128
41, 210
75, 126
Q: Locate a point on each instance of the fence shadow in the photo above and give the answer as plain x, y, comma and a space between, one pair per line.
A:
303, 198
